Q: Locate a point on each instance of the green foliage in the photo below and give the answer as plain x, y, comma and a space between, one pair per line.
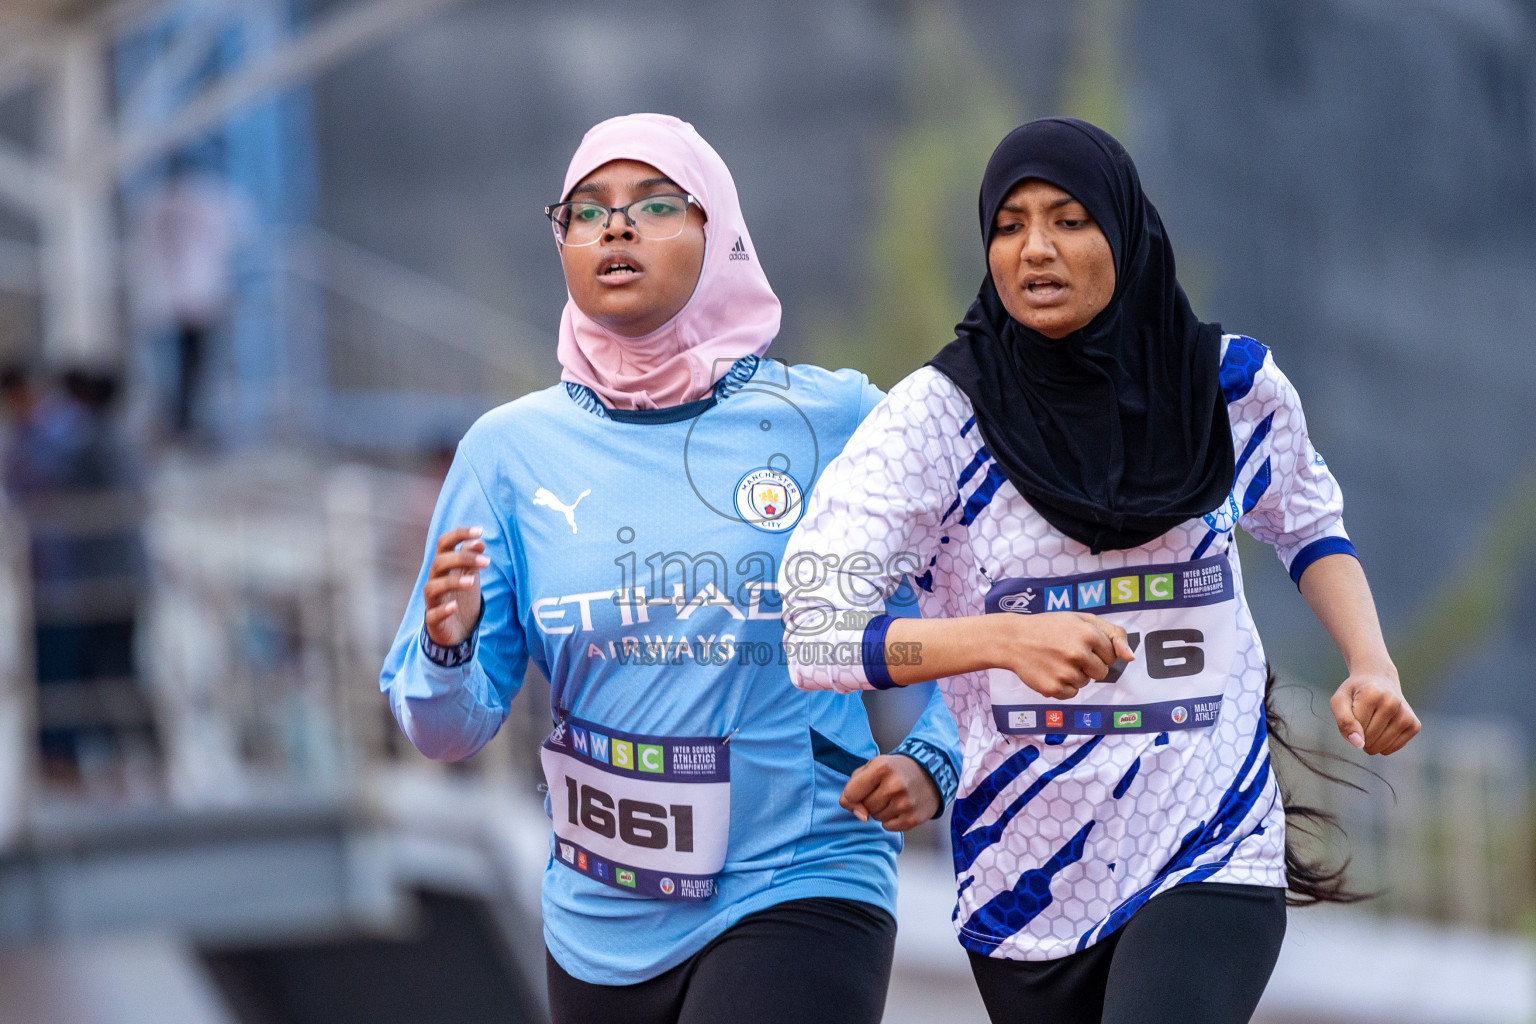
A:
1092, 88
923, 254
1472, 605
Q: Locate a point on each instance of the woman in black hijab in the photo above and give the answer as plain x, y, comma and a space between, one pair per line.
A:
1114, 428
1061, 484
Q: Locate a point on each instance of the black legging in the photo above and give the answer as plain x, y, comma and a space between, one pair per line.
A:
796, 963
1197, 954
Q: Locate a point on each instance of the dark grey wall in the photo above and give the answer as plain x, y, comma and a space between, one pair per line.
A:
449, 172
1355, 184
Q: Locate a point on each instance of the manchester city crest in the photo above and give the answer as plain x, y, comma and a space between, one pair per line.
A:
769, 500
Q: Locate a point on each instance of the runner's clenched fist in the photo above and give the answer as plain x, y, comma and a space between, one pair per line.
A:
452, 590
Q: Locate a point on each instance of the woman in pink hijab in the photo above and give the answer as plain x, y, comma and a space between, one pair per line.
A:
723, 845
659, 335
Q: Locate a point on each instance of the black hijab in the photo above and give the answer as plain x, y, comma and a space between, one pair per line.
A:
1117, 432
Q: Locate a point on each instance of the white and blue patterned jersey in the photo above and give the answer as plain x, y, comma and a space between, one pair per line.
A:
634, 558
1059, 837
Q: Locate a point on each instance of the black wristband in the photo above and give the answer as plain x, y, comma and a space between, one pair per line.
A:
460, 653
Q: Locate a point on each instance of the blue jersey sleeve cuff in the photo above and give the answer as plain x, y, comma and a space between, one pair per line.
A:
938, 767
1319, 549
874, 653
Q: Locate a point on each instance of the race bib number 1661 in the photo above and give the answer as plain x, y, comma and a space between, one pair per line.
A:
646, 814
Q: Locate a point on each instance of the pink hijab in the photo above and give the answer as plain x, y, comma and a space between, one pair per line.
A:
733, 311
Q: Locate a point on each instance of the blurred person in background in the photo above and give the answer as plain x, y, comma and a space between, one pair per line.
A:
1088, 447
42, 425
16, 399
724, 846
75, 483
184, 239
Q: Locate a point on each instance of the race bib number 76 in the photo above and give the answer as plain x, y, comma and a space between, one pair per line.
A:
1180, 620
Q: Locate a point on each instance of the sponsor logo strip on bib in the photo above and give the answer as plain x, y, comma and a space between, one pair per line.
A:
1134, 588
641, 881
1108, 719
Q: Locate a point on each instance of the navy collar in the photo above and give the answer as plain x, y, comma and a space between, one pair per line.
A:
740, 372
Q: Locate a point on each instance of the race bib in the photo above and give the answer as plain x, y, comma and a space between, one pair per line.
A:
646, 814
1181, 621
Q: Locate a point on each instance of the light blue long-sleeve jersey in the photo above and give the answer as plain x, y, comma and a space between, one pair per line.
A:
634, 557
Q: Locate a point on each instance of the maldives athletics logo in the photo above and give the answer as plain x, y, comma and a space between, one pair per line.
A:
769, 500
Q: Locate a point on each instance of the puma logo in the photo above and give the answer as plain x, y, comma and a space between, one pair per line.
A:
543, 497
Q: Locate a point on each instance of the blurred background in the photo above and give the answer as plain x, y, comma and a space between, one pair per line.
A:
263, 261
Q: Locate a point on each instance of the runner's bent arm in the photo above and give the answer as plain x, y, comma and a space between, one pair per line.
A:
875, 517
1370, 708
1055, 654
863, 525
448, 710
915, 781
1295, 505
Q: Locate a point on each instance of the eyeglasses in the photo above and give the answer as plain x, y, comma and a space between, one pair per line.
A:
654, 218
